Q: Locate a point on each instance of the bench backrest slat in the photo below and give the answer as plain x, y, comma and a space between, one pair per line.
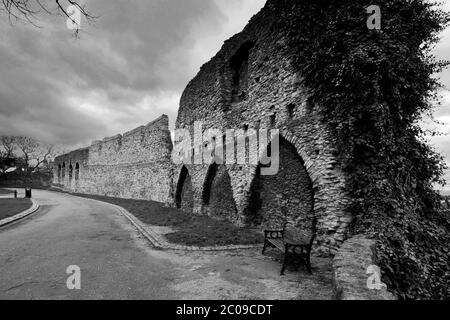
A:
296, 235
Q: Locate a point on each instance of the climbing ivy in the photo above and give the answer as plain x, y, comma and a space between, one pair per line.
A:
374, 87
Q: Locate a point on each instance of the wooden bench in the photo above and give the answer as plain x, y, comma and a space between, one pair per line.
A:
294, 244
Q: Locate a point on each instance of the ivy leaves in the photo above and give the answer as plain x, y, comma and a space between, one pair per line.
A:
374, 87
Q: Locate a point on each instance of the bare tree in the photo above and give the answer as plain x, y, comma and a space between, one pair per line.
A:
28, 10
7, 156
42, 157
27, 146
3, 158
35, 154
7, 146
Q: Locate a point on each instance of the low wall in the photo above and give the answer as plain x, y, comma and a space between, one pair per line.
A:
354, 265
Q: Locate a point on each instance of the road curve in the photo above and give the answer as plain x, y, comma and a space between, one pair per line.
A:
114, 262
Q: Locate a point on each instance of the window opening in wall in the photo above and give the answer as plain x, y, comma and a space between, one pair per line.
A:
290, 110
239, 64
273, 120
309, 105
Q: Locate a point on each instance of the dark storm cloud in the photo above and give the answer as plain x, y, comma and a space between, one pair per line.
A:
127, 68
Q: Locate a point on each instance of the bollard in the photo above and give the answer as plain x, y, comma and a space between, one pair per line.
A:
15, 194
28, 193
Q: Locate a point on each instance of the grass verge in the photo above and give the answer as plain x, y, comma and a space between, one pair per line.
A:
11, 207
5, 192
191, 230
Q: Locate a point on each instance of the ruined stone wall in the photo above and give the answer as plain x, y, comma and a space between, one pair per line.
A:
252, 83
63, 165
354, 267
133, 165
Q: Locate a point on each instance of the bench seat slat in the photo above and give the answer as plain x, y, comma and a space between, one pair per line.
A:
278, 243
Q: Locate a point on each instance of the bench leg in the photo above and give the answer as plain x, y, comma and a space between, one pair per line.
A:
265, 247
308, 263
285, 262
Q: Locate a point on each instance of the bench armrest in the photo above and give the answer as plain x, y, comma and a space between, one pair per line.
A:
274, 234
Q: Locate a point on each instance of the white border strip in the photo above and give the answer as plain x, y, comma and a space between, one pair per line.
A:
20, 216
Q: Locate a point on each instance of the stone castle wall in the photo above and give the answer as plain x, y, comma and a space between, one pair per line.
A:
133, 165
251, 83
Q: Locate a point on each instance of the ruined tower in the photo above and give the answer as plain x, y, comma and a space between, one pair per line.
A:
252, 83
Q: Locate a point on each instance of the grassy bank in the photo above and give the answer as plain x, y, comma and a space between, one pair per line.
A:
190, 229
11, 207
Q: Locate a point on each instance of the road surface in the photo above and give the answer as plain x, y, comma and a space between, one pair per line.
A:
116, 262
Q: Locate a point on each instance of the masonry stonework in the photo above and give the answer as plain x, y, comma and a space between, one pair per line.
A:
285, 197
184, 198
133, 165
218, 193
251, 83
352, 269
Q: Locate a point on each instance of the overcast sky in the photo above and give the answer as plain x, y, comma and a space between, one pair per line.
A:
124, 71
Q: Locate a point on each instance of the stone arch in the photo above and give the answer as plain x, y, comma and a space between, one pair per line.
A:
184, 197
283, 198
77, 172
63, 173
206, 191
70, 174
330, 199
217, 194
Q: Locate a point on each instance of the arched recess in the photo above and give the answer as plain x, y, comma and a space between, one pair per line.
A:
217, 196
63, 177
77, 172
283, 198
59, 173
184, 196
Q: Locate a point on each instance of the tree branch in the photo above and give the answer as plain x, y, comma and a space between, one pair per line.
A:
27, 11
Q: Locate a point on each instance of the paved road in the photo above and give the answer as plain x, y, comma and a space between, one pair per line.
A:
35, 254
116, 262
